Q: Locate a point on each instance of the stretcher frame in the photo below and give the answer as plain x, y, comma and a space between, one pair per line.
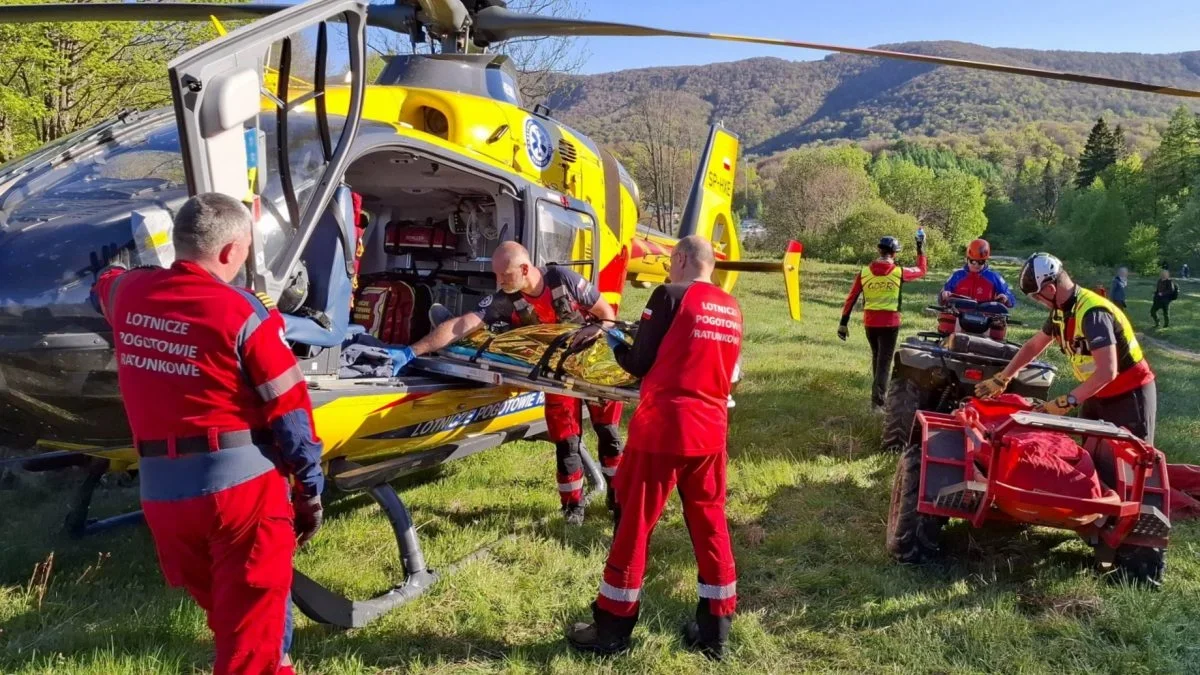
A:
1141, 478
496, 373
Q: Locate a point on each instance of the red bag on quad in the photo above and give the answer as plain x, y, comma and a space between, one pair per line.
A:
1044, 461
1052, 462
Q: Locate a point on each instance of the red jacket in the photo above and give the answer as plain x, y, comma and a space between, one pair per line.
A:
685, 352
880, 318
197, 357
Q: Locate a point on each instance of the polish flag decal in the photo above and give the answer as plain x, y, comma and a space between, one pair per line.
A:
727, 164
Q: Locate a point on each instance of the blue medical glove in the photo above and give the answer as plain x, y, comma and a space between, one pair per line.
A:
400, 358
615, 337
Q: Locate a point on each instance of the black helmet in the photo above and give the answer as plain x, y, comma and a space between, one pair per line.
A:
889, 245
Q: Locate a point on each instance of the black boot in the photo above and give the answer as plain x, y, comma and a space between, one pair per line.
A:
708, 634
574, 513
607, 634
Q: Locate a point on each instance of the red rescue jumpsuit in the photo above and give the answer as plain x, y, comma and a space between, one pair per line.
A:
565, 299
686, 347
221, 417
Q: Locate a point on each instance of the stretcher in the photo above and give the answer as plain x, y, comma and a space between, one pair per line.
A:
537, 358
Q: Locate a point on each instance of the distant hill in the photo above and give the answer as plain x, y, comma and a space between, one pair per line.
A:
777, 104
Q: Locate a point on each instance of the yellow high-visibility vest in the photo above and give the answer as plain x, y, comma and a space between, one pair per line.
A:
881, 292
1082, 362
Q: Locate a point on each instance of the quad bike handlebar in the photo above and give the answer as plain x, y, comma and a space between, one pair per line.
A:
959, 306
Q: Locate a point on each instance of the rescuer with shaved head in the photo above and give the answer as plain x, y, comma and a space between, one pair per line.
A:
528, 295
687, 344
221, 420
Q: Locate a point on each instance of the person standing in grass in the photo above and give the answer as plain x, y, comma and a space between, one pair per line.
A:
1119, 285
1165, 292
222, 423
880, 285
528, 295
686, 350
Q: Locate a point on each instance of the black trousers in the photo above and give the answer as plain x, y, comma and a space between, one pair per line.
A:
1136, 410
1166, 310
883, 347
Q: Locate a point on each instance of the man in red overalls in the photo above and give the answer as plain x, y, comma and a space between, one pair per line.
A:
685, 351
532, 295
221, 418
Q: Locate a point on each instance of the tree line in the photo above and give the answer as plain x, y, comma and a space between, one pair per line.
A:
1104, 202
1108, 205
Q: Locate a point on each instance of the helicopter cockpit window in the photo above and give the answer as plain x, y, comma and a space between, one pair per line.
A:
565, 237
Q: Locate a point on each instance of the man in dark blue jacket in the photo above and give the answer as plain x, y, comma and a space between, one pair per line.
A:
1119, 285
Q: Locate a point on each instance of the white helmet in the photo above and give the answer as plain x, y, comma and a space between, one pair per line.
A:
1039, 269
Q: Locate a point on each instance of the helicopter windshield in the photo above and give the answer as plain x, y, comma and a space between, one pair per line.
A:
147, 155
123, 168
59, 145
60, 222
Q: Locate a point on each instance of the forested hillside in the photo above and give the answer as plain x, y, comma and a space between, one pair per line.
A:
777, 104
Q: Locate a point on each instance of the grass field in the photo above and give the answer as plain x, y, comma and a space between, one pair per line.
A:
808, 497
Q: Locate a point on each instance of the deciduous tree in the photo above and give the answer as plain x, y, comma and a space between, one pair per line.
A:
61, 77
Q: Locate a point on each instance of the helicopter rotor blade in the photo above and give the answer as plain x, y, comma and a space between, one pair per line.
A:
396, 17
496, 24
139, 11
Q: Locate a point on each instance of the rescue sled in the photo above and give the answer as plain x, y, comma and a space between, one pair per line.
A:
543, 358
995, 460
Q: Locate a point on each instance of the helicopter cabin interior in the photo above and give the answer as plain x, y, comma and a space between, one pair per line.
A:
422, 230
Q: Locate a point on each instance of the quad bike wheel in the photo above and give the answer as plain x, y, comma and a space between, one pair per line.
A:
903, 401
1139, 565
912, 537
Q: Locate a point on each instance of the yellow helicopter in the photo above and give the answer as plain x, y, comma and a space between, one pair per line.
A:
359, 192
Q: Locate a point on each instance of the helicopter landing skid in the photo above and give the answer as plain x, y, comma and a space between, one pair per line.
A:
77, 524
324, 605
320, 603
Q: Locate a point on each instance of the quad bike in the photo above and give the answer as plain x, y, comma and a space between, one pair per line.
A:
936, 370
967, 465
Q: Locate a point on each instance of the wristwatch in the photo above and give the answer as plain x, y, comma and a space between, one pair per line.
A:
1072, 401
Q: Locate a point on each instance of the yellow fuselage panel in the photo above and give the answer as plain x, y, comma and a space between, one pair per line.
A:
374, 427
377, 427
535, 148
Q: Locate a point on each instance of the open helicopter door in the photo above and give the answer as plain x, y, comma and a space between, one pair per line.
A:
249, 107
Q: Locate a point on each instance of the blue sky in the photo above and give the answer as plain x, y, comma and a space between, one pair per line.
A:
1156, 26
